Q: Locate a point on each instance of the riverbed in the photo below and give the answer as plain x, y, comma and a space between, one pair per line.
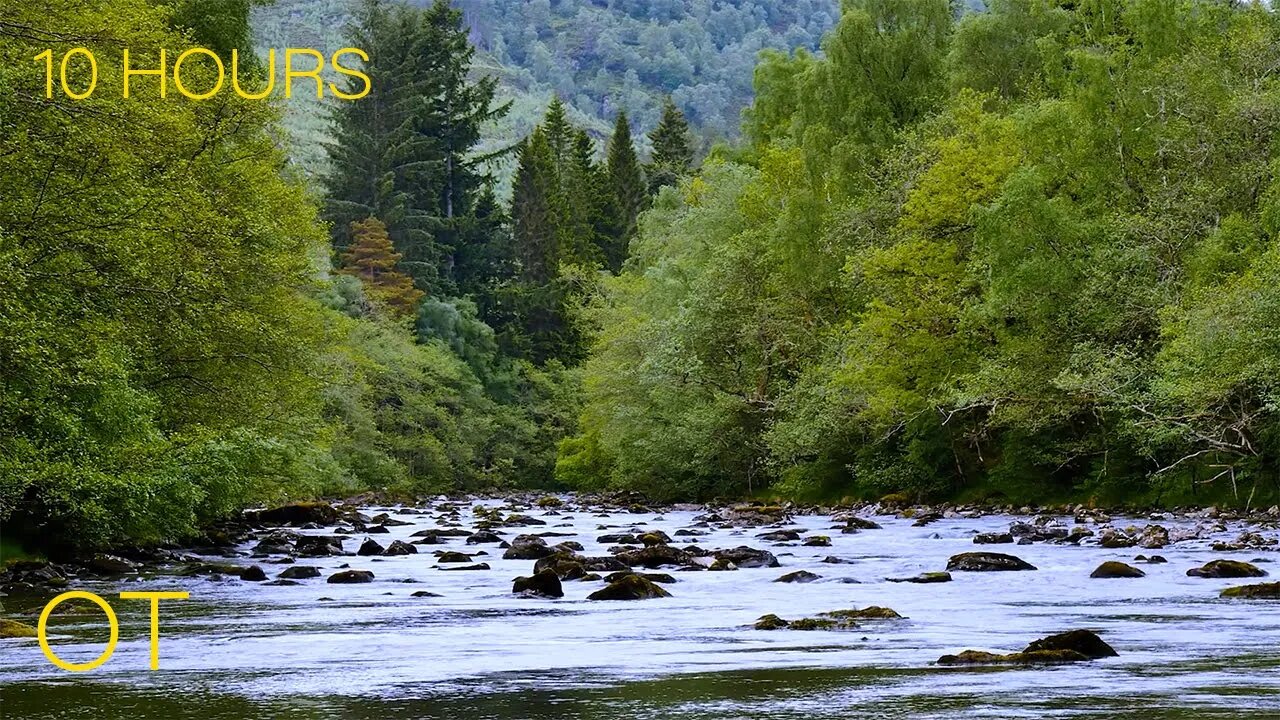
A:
240, 649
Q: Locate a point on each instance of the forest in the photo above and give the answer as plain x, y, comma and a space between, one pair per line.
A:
1026, 254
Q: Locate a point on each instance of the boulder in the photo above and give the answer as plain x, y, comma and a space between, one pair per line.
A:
817, 541
630, 587
300, 572
1113, 539
370, 547
1112, 569
481, 537
1153, 560
618, 539
400, 547
799, 576
745, 557
318, 546
651, 577
771, 622
253, 573
527, 547
1263, 591
452, 557
1073, 646
655, 556
1226, 569
347, 577
1085, 642
780, 536
477, 566
112, 564
1153, 537
543, 584
15, 629
992, 539
986, 562
924, 578
721, 565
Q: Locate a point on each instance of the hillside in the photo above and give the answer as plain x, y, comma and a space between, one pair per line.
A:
598, 55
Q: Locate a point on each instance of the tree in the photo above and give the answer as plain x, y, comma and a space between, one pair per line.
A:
372, 258
672, 148
627, 190
407, 151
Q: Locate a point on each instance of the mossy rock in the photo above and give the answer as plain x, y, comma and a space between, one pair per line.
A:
1113, 569
453, 557
771, 622
1226, 569
550, 501
15, 629
1263, 591
817, 541
799, 576
1039, 657
630, 587
1085, 642
875, 612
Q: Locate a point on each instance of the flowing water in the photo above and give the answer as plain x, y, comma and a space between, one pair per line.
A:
243, 650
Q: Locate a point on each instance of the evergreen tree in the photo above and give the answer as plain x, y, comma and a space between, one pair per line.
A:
672, 148
405, 152
626, 192
372, 258
536, 231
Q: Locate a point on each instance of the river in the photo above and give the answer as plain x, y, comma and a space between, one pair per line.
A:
239, 649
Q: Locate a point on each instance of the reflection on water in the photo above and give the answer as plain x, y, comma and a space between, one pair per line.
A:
239, 650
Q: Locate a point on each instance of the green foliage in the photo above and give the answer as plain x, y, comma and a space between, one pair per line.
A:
157, 348
672, 149
1026, 253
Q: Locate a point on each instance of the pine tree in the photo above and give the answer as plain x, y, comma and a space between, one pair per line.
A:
627, 192
536, 232
672, 148
372, 258
405, 152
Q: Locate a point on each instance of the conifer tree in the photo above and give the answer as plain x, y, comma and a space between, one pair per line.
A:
372, 258
534, 212
626, 192
672, 148
405, 152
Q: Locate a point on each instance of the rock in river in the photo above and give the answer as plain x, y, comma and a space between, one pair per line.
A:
400, 547
986, 562
347, 577
296, 514
993, 539
112, 564
745, 557
253, 573
370, 547
15, 629
1074, 646
527, 547
1113, 569
1263, 591
1226, 569
799, 576
542, 584
924, 578
450, 556
630, 587
300, 572
655, 556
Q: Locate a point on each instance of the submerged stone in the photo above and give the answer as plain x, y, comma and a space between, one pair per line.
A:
543, 584
347, 577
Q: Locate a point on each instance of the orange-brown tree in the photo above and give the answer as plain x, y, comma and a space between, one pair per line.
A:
372, 258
